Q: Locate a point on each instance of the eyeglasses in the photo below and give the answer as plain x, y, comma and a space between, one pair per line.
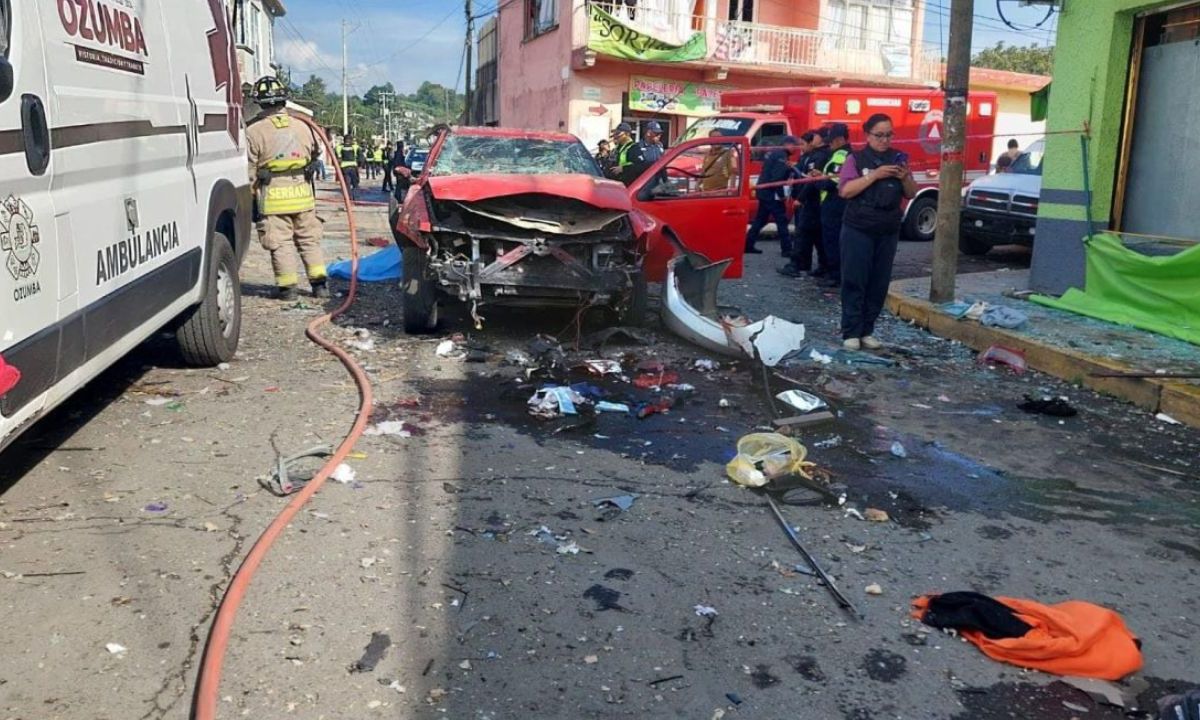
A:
883, 136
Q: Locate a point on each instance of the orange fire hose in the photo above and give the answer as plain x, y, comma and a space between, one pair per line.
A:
208, 684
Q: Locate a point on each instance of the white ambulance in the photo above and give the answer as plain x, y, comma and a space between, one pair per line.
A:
124, 195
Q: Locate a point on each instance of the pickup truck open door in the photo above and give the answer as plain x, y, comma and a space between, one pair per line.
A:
701, 190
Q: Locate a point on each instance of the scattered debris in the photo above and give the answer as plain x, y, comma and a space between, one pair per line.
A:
603, 367
373, 653
655, 379
519, 358
706, 365
555, 401
156, 507
625, 335
657, 406
841, 599
798, 421
1054, 407
876, 515
1102, 691
802, 401
1076, 707
391, 428
819, 357
898, 450
1014, 359
159, 401
362, 340
734, 698
873, 589
618, 574
605, 598
1163, 417
604, 406
465, 665
591, 660
569, 548
115, 649
1002, 316
451, 350
763, 457
705, 611
621, 502
343, 473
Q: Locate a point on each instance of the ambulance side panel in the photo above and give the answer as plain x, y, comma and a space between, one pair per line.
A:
144, 106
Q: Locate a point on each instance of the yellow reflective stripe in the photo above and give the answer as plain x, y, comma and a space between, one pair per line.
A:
286, 164
287, 279
289, 199
315, 272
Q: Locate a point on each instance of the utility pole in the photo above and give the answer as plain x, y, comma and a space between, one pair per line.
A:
345, 87
954, 131
470, 49
384, 99
446, 102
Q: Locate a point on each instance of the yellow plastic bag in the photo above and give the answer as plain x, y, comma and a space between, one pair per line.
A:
762, 457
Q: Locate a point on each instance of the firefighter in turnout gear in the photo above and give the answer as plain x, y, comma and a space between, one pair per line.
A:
283, 153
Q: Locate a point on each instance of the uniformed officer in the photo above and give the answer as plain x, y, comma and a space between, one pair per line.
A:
833, 207
283, 152
347, 158
808, 210
629, 161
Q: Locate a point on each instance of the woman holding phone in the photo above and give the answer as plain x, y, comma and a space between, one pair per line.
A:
874, 181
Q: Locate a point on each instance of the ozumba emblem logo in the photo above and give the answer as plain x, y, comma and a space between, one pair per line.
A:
19, 238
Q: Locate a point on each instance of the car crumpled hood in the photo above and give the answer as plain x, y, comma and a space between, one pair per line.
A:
602, 194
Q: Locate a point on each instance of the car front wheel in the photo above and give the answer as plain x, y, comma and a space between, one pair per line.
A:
920, 223
420, 291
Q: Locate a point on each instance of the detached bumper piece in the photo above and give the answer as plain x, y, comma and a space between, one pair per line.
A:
690, 310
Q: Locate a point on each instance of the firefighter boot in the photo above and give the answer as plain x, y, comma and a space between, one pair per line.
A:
320, 290
287, 293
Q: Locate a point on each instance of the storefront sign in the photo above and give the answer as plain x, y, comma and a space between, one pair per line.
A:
673, 97
612, 37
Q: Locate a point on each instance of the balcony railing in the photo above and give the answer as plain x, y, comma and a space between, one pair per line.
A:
735, 43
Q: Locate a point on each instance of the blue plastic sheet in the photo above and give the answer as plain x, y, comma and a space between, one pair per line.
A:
380, 266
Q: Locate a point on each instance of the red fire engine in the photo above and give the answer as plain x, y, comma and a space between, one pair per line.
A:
767, 116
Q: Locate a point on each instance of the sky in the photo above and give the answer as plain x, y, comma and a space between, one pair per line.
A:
409, 41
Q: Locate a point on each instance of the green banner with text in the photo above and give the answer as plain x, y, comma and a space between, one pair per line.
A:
612, 37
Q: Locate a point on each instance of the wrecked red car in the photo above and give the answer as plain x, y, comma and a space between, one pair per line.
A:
525, 218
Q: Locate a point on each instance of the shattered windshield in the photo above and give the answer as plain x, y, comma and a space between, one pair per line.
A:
468, 155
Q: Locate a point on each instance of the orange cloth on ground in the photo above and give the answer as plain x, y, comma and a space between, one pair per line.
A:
1068, 638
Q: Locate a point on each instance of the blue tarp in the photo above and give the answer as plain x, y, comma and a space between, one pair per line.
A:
380, 266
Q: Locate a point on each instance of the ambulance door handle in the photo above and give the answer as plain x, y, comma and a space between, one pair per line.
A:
36, 133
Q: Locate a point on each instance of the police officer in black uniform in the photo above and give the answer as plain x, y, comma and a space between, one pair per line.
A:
808, 210
875, 180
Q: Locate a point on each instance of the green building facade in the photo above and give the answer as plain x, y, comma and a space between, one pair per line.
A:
1128, 73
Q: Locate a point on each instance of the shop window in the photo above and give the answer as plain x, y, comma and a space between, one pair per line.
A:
705, 171
541, 16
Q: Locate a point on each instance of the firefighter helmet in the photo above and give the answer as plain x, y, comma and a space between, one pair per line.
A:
270, 91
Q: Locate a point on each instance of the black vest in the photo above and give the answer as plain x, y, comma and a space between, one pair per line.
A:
876, 210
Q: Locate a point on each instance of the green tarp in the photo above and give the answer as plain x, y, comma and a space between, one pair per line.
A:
1159, 294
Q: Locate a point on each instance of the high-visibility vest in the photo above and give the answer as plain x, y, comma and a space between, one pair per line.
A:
833, 167
623, 154
347, 155
378, 155
291, 197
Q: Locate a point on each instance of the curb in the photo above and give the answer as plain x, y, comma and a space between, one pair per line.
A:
1180, 400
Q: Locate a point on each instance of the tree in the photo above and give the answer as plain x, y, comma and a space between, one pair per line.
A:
1034, 60
371, 97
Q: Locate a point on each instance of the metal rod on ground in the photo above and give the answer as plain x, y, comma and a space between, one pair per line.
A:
954, 129
812, 562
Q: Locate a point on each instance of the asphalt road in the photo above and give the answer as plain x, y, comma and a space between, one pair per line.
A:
123, 516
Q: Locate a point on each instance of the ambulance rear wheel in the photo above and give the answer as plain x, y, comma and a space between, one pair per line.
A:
210, 332
920, 223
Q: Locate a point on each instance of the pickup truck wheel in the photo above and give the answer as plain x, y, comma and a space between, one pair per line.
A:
920, 222
209, 334
420, 293
633, 314
971, 245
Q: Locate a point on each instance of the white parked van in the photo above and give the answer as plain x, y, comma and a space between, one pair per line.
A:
124, 196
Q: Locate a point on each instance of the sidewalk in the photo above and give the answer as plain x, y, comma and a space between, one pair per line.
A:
1064, 345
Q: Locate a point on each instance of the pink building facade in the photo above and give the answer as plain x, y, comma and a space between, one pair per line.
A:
550, 79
